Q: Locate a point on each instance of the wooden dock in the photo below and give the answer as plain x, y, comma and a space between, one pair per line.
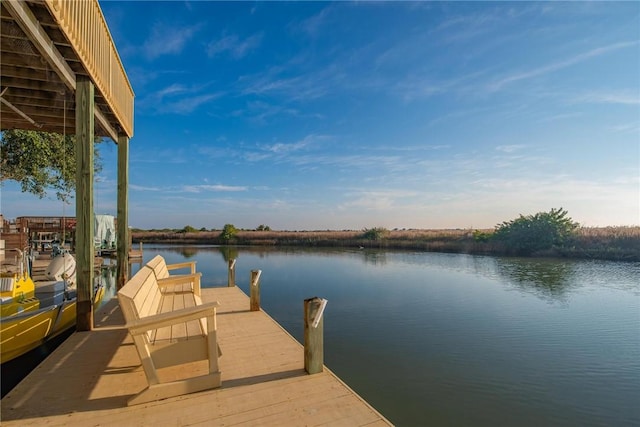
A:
89, 378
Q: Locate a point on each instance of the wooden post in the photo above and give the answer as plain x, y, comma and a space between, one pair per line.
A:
313, 335
84, 202
123, 212
254, 290
231, 281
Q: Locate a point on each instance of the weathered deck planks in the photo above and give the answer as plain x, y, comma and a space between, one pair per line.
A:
89, 378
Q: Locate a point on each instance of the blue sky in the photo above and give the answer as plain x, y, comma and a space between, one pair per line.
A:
313, 115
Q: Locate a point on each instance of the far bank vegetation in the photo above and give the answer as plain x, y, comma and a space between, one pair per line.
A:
548, 234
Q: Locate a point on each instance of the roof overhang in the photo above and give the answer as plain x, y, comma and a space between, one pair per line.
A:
45, 45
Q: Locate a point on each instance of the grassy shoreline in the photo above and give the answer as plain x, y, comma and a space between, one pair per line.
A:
605, 243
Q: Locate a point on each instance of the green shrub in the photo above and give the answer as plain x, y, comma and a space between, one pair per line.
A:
481, 236
229, 232
532, 233
375, 233
188, 229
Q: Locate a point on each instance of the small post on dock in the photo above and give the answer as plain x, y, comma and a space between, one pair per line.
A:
231, 281
314, 334
254, 288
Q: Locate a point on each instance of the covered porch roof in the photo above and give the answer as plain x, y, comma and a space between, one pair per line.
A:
45, 46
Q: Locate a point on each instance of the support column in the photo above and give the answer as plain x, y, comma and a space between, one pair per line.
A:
84, 202
123, 211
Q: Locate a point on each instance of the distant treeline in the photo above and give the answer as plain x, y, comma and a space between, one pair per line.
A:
608, 243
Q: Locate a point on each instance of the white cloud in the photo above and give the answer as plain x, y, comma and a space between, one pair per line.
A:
167, 39
281, 148
214, 188
188, 104
178, 99
632, 127
629, 97
312, 25
135, 187
524, 75
510, 148
234, 46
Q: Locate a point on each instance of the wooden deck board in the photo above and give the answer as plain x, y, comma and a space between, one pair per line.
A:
89, 378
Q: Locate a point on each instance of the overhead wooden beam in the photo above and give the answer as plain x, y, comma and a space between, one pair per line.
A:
18, 111
40, 111
25, 72
21, 83
106, 125
19, 57
38, 99
84, 203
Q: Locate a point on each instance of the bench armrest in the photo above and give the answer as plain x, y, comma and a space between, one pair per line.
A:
141, 326
193, 279
191, 264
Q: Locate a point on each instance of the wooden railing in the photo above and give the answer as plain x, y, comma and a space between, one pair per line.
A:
84, 25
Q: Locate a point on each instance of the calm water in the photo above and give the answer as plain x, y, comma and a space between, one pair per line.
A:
459, 340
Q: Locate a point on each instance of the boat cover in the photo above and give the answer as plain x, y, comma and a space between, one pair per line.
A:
105, 232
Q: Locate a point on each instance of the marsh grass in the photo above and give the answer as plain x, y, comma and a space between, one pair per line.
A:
613, 243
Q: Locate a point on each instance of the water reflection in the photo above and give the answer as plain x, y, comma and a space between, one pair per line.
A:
107, 278
378, 258
548, 279
229, 252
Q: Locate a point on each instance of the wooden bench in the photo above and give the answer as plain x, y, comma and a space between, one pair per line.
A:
169, 329
175, 282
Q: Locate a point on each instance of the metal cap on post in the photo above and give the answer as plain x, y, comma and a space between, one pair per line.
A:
314, 334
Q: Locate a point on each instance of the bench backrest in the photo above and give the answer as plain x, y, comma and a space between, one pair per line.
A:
159, 267
140, 296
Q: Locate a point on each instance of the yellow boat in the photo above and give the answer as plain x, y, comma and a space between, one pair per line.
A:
17, 293
32, 315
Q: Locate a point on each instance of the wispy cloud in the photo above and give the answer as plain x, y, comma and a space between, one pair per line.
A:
281, 81
233, 45
510, 148
189, 104
633, 127
178, 99
314, 24
307, 141
630, 97
213, 188
261, 112
135, 187
378, 200
423, 86
558, 65
167, 39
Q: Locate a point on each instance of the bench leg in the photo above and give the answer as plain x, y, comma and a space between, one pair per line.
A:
145, 357
212, 344
176, 388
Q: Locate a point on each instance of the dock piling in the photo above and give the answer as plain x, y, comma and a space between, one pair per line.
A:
254, 290
231, 281
314, 334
